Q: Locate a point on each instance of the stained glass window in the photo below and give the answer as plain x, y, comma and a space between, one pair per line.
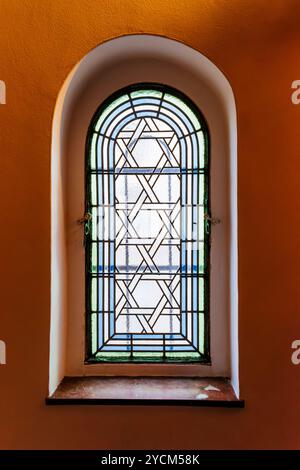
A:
147, 235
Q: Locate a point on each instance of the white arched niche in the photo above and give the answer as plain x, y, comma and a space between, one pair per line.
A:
107, 68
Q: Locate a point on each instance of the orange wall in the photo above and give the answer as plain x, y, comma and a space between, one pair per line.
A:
257, 45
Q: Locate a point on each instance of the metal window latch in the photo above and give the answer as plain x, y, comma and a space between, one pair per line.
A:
86, 221
212, 220
87, 216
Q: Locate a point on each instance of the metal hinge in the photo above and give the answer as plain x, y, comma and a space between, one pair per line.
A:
212, 220
86, 221
209, 221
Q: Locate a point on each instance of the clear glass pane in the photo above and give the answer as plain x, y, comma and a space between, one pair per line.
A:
148, 245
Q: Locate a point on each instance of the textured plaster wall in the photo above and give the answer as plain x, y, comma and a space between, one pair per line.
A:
256, 43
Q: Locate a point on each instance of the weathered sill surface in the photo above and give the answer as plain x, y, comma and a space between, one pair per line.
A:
185, 391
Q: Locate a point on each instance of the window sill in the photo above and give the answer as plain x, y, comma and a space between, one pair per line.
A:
185, 391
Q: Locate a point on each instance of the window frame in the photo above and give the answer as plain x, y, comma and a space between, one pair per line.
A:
163, 88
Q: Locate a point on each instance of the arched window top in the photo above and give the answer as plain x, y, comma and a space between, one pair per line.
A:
148, 233
150, 110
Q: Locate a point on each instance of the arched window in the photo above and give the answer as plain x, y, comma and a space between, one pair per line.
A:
153, 291
147, 234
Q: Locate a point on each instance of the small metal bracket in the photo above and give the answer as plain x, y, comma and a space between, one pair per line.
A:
86, 222
212, 220
86, 218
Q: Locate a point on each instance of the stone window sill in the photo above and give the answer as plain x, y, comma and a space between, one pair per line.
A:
179, 391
